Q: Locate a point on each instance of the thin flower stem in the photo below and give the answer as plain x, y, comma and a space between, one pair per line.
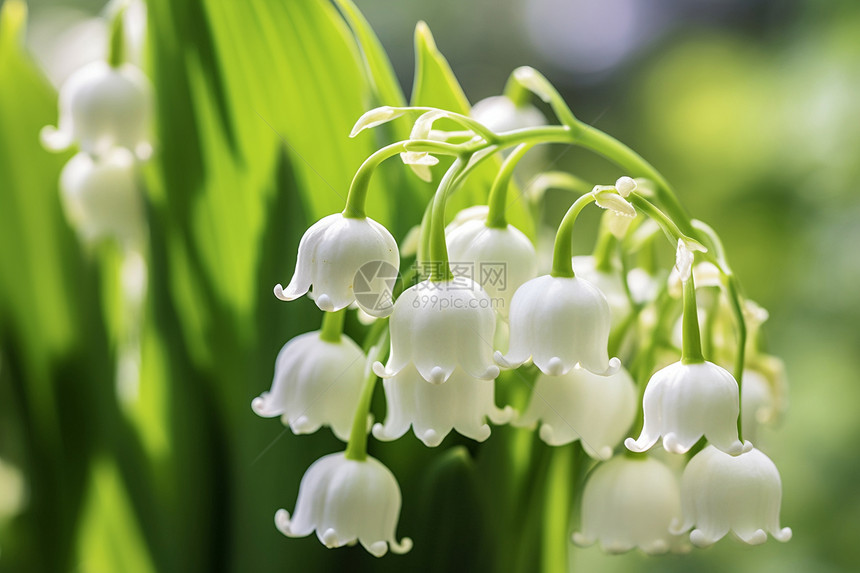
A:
356, 448
515, 92
116, 47
691, 350
740, 360
557, 509
440, 270
498, 197
605, 246
562, 265
670, 228
332, 325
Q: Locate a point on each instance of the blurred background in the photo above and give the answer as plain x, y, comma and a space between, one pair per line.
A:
748, 106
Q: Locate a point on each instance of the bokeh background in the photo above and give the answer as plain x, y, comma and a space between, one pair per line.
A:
748, 107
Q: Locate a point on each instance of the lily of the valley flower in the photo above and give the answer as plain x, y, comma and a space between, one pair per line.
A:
463, 403
630, 503
316, 383
598, 410
102, 107
683, 402
331, 253
438, 326
101, 198
722, 493
610, 283
500, 260
559, 322
345, 501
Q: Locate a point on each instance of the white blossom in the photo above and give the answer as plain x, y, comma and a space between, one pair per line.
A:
438, 326
102, 107
345, 501
500, 260
630, 503
683, 402
316, 383
342, 257
101, 198
722, 493
499, 113
463, 403
559, 322
610, 283
579, 405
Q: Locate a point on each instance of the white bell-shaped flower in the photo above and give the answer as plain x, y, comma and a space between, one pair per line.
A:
722, 493
438, 326
345, 501
500, 113
683, 402
102, 107
630, 503
316, 383
579, 405
463, 404
610, 283
101, 198
500, 260
346, 260
559, 322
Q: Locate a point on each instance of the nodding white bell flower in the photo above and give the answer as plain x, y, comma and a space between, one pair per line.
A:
438, 326
463, 403
500, 113
101, 198
346, 260
500, 260
316, 383
722, 493
102, 107
630, 503
579, 405
345, 501
559, 322
610, 283
683, 402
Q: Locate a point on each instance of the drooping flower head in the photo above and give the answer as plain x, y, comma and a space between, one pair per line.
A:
463, 403
630, 503
316, 383
722, 493
346, 260
439, 326
102, 107
684, 402
101, 197
500, 260
345, 501
579, 405
559, 322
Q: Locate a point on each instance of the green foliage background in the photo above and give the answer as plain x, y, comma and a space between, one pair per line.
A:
255, 100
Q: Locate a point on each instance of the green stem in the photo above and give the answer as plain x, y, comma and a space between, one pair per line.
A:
497, 200
562, 265
691, 350
534, 81
116, 47
440, 270
356, 447
515, 92
558, 180
740, 360
557, 509
357, 195
672, 231
605, 246
332, 326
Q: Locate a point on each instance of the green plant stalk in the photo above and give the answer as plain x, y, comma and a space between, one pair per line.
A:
440, 270
733, 289
116, 47
498, 198
332, 326
515, 92
356, 447
605, 246
562, 265
691, 349
670, 228
557, 509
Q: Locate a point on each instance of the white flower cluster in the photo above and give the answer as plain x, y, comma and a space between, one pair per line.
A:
105, 114
452, 334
